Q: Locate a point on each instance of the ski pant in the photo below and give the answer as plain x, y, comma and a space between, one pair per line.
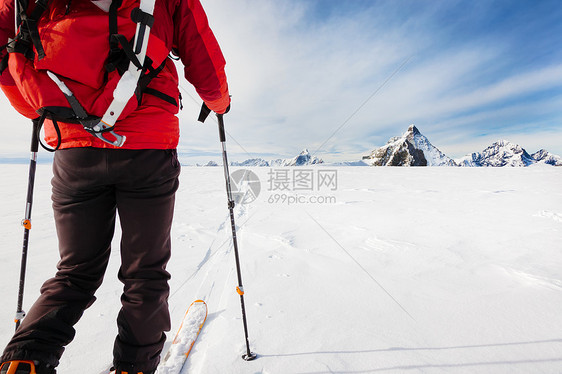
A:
90, 186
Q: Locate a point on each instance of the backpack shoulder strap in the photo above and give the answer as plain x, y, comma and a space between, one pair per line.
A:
26, 32
29, 33
143, 17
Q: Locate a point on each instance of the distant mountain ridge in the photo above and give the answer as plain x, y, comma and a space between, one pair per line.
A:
543, 156
303, 159
414, 149
504, 153
500, 153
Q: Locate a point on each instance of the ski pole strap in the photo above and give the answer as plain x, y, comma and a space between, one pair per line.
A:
204, 113
240, 290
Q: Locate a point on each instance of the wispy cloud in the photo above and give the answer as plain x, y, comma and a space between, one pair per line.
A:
299, 69
302, 74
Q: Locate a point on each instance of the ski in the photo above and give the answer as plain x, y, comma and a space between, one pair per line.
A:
188, 332
182, 344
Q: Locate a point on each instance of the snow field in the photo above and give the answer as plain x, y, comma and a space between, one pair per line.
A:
473, 255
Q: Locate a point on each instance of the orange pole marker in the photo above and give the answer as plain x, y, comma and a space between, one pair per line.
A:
26, 223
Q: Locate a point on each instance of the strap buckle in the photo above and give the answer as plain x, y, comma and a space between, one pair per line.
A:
100, 130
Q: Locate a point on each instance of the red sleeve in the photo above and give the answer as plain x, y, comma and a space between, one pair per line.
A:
201, 55
7, 30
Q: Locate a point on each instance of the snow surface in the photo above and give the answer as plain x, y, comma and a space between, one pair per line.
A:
472, 254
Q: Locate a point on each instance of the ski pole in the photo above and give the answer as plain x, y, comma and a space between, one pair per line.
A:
248, 356
26, 222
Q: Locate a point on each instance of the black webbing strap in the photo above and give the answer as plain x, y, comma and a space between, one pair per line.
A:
142, 86
29, 30
4, 63
4, 60
152, 72
131, 56
114, 56
161, 95
45, 115
21, 46
144, 19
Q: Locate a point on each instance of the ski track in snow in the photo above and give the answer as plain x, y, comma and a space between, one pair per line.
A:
552, 215
456, 247
537, 279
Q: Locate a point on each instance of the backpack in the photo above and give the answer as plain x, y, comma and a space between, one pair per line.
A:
69, 71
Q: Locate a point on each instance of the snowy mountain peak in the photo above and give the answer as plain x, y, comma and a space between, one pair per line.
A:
500, 153
411, 149
414, 130
304, 158
545, 157
540, 155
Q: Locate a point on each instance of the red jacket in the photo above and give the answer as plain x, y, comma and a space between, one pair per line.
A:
180, 25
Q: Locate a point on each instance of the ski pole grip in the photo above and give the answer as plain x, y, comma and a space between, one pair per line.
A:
35, 134
221, 128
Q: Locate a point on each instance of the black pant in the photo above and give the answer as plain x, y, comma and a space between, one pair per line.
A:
89, 186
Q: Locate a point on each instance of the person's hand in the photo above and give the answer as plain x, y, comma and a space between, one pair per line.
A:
205, 111
226, 110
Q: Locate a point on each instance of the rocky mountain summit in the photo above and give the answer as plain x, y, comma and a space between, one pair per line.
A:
410, 149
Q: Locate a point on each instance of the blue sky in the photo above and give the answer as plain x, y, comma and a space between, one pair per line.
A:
467, 73
341, 77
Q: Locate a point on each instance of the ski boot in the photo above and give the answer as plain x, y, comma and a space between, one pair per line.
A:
25, 367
